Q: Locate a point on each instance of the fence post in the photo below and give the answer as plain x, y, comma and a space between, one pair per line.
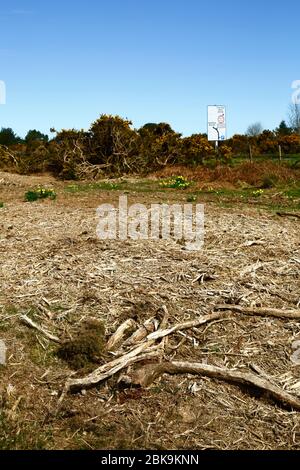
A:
280, 153
250, 154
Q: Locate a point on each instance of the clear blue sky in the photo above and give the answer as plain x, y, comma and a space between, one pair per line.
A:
66, 62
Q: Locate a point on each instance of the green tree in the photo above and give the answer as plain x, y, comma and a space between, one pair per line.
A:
35, 136
283, 129
160, 129
8, 137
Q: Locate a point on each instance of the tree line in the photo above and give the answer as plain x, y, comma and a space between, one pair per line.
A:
112, 146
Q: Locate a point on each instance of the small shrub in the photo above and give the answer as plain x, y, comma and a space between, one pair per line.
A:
87, 348
269, 182
1, 205
225, 153
40, 193
192, 198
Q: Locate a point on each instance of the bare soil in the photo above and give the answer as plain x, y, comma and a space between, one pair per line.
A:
54, 269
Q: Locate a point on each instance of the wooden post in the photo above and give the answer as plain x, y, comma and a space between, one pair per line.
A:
280, 153
250, 153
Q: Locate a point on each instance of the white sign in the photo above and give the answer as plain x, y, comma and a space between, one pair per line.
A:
216, 123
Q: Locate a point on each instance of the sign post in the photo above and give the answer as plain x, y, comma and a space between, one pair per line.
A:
216, 124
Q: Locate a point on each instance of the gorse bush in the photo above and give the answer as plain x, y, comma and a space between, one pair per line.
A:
39, 193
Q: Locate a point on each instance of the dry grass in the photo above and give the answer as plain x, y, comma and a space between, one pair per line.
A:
224, 175
54, 269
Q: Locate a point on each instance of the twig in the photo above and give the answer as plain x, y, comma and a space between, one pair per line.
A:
165, 319
34, 325
185, 326
261, 311
288, 214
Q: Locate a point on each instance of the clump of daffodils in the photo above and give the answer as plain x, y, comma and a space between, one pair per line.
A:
176, 183
258, 193
39, 193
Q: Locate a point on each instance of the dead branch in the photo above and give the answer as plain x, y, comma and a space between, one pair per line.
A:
165, 319
111, 368
10, 154
164, 324
123, 361
141, 333
117, 338
261, 311
288, 214
150, 373
133, 356
42, 330
185, 326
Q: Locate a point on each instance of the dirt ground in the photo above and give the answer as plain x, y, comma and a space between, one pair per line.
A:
55, 270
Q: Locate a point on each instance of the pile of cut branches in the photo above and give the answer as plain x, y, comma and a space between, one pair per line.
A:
147, 347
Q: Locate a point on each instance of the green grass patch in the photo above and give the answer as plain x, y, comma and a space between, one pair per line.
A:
293, 193
39, 193
40, 356
15, 435
141, 186
264, 198
280, 207
103, 186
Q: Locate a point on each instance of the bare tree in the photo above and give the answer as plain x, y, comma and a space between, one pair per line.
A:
254, 129
294, 117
